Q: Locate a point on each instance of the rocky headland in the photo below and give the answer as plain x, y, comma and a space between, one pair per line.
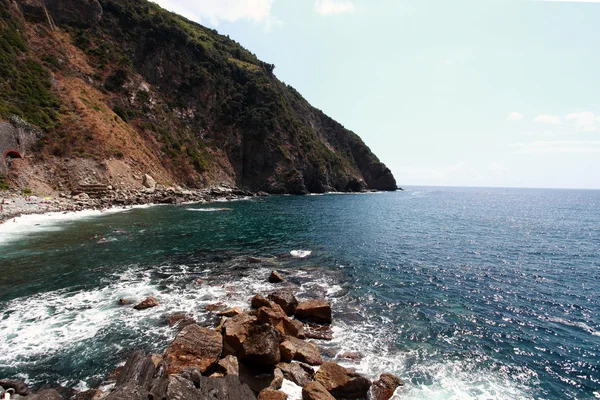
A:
255, 353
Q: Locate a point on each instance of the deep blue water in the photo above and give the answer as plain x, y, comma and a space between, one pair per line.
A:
462, 292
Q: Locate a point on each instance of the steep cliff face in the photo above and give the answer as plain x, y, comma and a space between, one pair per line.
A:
125, 80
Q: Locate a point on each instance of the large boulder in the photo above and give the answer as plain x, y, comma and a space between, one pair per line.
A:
229, 366
275, 277
235, 331
259, 301
385, 387
200, 387
315, 310
341, 382
148, 302
270, 394
315, 391
276, 317
261, 345
141, 377
148, 182
301, 350
298, 373
194, 347
285, 299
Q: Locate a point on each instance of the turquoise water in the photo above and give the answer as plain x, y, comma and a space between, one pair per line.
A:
464, 293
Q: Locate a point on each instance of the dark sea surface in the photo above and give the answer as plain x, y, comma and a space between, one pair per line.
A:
465, 293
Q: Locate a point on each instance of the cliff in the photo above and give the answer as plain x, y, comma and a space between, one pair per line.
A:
123, 87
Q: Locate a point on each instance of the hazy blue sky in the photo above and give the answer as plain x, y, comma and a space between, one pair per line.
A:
445, 92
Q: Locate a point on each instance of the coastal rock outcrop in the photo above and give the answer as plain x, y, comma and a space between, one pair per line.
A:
194, 347
385, 386
342, 382
261, 345
316, 310
275, 277
315, 391
285, 299
148, 302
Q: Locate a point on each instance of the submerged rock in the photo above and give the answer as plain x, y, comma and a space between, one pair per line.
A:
314, 310
194, 347
342, 382
180, 320
384, 388
148, 302
275, 277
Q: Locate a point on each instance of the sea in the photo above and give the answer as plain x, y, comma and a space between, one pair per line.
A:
464, 293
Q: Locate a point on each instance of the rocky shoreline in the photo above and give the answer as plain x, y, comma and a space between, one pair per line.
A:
102, 197
247, 354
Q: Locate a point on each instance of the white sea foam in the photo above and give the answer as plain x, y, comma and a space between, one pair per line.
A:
300, 253
292, 390
209, 209
577, 324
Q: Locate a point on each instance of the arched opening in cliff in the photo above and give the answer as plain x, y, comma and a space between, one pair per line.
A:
10, 155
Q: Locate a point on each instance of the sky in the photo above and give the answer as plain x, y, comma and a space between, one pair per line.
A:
502, 93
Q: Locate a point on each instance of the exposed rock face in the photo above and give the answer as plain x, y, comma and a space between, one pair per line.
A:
385, 387
341, 382
298, 373
139, 379
227, 388
316, 310
276, 317
261, 345
302, 350
93, 394
285, 299
315, 391
149, 302
48, 394
275, 277
229, 366
235, 331
194, 347
270, 394
148, 182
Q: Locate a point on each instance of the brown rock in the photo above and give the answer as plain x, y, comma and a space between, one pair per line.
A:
156, 359
261, 345
215, 307
315, 331
259, 301
342, 382
270, 394
287, 350
93, 394
259, 378
229, 366
194, 347
235, 331
350, 355
123, 302
180, 320
385, 387
315, 391
19, 387
275, 277
48, 394
314, 310
285, 299
232, 312
149, 302
276, 317
298, 373
304, 351
253, 260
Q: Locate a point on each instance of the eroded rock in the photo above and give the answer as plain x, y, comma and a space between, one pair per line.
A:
342, 382
315, 391
275, 277
194, 347
385, 386
270, 394
148, 302
235, 331
285, 299
261, 345
316, 310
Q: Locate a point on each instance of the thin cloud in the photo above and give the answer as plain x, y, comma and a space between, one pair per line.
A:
328, 7
515, 117
547, 119
557, 146
214, 12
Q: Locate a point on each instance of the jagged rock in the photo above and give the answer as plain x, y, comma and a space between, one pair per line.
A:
139, 379
203, 388
19, 387
229, 366
314, 310
235, 331
148, 302
93, 394
232, 312
148, 182
276, 317
194, 347
270, 394
285, 299
315, 391
287, 350
259, 301
261, 345
350, 355
275, 277
315, 331
342, 382
298, 373
48, 394
384, 388
302, 350
215, 307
